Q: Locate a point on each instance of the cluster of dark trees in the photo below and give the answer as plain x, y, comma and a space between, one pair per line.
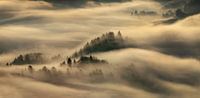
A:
49, 71
51, 74
90, 59
68, 62
143, 12
106, 42
83, 60
190, 8
169, 13
181, 10
178, 13
32, 58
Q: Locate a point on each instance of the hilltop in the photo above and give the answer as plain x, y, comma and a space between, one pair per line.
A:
107, 42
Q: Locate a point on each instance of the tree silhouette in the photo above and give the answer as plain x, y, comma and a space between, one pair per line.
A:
69, 62
30, 69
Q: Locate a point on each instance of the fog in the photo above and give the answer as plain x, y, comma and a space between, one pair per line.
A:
64, 25
162, 60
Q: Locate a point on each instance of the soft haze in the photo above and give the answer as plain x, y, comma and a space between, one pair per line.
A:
161, 60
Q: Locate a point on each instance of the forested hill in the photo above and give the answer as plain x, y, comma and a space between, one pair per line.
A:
107, 42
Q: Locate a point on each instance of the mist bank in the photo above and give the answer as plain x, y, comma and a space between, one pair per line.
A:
162, 60
68, 32
180, 39
139, 73
27, 24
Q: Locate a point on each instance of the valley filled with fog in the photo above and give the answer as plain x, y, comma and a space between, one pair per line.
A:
99, 49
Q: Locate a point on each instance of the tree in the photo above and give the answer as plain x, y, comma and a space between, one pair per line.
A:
53, 69
74, 61
91, 58
44, 69
7, 64
30, 69
69, 62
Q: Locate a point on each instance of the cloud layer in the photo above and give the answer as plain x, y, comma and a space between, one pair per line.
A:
152, 69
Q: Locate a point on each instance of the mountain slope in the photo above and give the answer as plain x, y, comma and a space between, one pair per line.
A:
106, 42
170, 44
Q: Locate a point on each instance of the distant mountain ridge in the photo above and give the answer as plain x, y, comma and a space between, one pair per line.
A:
182, 9
78, 3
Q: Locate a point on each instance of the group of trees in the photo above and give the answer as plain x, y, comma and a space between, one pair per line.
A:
143, 12
169, 13
44, 69
106, 42
69, 62
90, 59
177, 13
191, 7
32, 58
53, 71
83, 60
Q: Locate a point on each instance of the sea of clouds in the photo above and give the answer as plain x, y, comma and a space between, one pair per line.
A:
163, 61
